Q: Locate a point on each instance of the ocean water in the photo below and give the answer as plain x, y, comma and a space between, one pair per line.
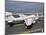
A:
24, 7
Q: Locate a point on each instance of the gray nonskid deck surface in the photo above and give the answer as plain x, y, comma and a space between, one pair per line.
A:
20, 28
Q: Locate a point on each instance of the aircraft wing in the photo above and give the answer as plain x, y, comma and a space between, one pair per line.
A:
31, 19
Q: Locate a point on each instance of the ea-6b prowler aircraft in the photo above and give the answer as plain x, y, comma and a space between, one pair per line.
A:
28, 20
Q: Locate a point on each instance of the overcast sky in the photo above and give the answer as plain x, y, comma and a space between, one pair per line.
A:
19, 6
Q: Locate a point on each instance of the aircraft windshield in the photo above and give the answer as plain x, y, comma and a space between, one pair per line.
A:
16, 16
